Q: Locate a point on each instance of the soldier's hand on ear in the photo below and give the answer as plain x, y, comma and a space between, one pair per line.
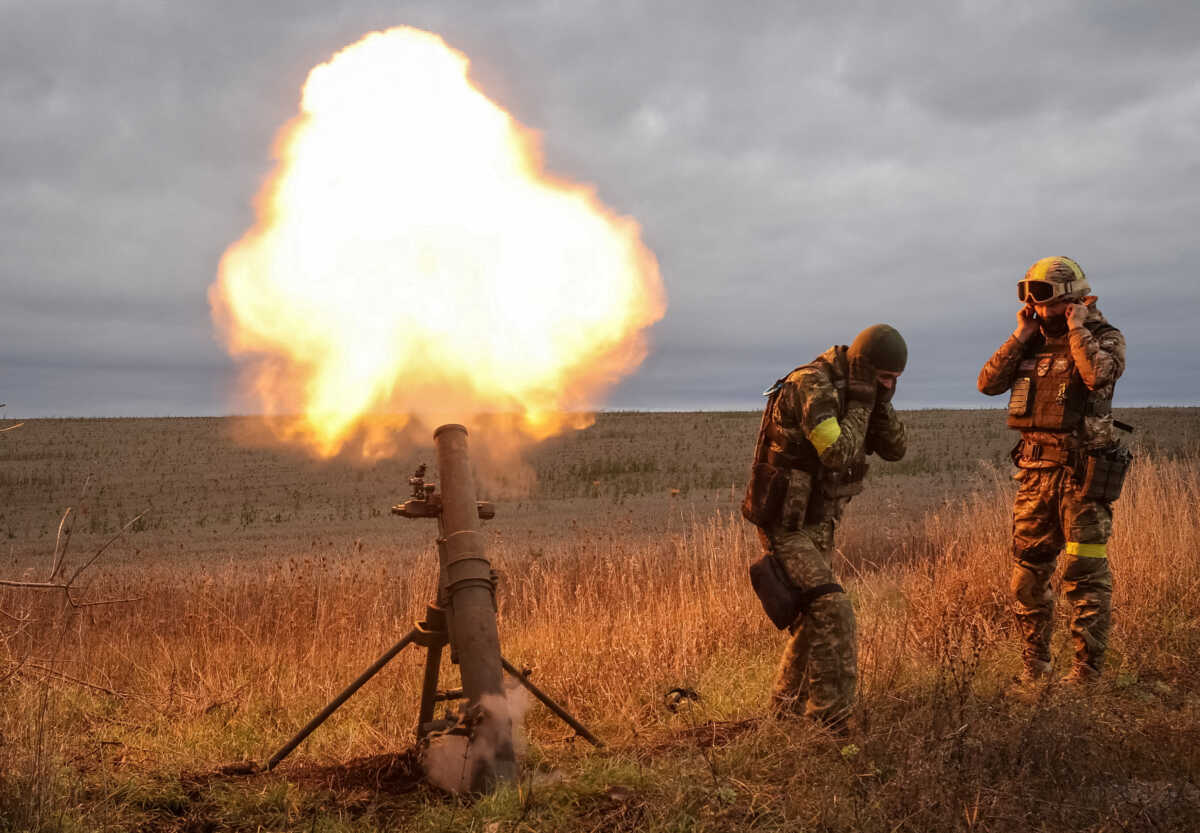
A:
883, 394
1076, 315
1027, 323
861, 383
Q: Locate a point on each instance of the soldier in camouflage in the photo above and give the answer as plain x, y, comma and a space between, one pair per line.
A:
1060, 364
820, 424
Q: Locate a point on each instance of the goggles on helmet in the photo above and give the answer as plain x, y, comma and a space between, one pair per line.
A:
1037, 291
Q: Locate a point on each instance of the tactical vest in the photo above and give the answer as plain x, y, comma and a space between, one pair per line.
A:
1048, 393
802, 455
769, 475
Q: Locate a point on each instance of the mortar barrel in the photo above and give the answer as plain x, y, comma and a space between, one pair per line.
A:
466, 572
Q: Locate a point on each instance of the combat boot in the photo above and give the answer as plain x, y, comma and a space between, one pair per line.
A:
1035, 671
1081, 675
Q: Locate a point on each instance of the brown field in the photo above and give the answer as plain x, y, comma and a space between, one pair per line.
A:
260, 582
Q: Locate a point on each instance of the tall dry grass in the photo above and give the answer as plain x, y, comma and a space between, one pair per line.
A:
217, 663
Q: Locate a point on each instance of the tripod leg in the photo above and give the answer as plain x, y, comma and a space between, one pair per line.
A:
336, 702
433, 662
562, 713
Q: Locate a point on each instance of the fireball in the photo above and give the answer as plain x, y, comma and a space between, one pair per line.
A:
413, 262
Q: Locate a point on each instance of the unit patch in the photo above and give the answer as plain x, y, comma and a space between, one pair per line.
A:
1043, 366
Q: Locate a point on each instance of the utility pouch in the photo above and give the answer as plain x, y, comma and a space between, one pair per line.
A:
765, 494
1104, 473
1019, 400
844, 483
835, 485
780, 599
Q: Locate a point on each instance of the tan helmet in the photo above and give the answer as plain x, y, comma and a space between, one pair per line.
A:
1052, 278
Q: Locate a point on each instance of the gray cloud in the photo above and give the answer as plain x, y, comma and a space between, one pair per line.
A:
800, 171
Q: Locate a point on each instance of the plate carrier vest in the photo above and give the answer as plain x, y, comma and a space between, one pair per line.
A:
767, 489
1048, 393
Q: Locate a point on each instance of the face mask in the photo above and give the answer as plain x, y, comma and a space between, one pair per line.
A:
1055, 325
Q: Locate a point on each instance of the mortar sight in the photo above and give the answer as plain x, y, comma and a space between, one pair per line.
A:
427, 503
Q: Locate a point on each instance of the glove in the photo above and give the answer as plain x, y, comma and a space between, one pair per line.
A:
861, 383
878, 423
883, 395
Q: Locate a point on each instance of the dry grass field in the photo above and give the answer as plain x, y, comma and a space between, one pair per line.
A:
258, 583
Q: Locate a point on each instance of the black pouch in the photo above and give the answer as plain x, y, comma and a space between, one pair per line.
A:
780, 599
765, 494
1104, 473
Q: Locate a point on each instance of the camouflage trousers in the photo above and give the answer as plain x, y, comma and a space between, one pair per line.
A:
1049, 515
819, 669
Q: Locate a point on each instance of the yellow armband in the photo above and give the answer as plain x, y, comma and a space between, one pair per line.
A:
825, 435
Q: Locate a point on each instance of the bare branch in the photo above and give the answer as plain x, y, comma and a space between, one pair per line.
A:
33, 585
107, 544
77, 605
13, 670
60, 557
11, 427
68, 678
69, 583
60, 546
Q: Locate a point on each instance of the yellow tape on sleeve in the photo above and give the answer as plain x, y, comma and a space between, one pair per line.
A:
1087, 550
825, 434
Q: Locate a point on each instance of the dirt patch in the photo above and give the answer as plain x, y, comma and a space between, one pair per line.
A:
393, 773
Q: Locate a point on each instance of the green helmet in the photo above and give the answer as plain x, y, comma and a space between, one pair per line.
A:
883, 346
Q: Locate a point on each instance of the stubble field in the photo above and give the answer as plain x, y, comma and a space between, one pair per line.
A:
258, 583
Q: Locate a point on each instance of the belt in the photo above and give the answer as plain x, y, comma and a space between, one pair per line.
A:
1039, 453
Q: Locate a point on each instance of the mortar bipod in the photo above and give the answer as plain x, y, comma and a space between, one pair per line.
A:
430, 634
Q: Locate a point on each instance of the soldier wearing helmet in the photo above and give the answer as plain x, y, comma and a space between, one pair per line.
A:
821, 422
1060, 367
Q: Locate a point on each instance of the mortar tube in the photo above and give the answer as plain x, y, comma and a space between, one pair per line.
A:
472, 609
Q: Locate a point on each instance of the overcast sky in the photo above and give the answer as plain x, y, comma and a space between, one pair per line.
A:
800, 170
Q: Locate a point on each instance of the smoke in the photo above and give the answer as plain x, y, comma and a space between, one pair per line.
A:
457, 763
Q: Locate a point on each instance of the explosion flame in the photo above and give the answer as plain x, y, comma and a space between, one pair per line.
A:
412, 260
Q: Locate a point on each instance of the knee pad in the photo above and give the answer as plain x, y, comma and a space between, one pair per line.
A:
1031, 583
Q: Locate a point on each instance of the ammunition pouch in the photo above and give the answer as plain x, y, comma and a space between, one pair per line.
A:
765, 493
844, 483
1048, 393
1102, 473
832, 486
782, 601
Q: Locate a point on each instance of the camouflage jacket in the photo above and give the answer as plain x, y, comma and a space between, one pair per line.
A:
808, 409
1100, 361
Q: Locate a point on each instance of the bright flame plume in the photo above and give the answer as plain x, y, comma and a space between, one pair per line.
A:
412, 260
